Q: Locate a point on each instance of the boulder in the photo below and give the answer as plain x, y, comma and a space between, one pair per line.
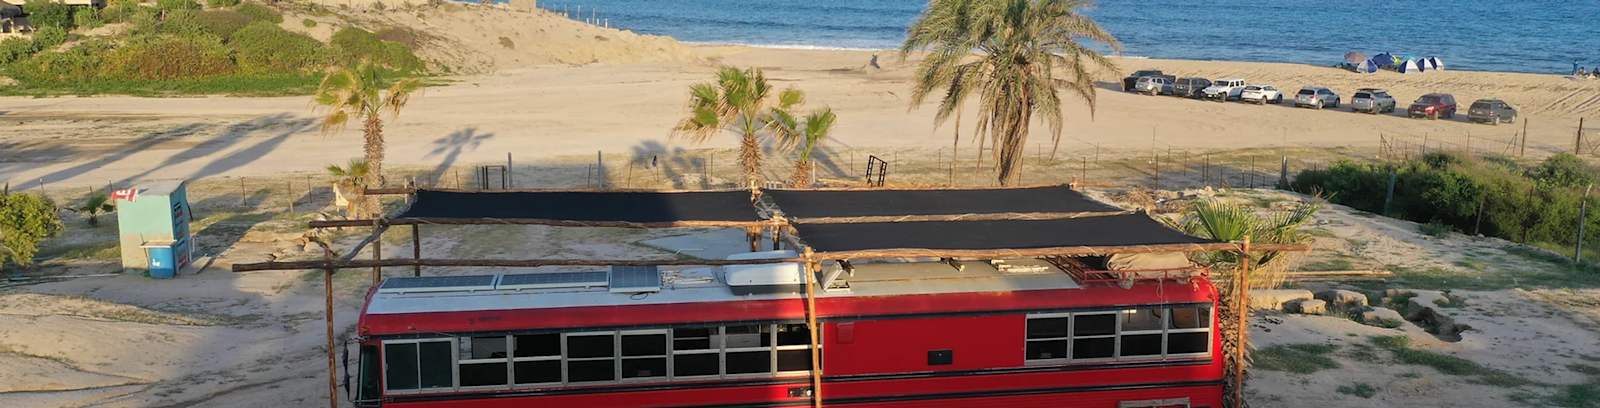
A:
1307, 306
1378, 315
1342, 298
1276, 298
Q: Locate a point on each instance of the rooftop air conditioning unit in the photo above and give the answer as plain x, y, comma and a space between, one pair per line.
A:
780, 277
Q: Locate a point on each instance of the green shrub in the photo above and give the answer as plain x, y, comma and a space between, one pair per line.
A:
1295, 358
1534, 205
353, 44
1434, 229
309, 23
48, 37
221, 23
260, 12
25, 221
171, 5
266, 47
398, 35
222, 3
1359, 389
120, 11
169, 57
14, 48
86, 17
82, 62
48, 13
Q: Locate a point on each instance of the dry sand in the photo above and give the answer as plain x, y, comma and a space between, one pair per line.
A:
566, 89
560, 93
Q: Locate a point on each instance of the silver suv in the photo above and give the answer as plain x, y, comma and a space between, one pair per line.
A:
1153, 85
1316, 97
1372, 100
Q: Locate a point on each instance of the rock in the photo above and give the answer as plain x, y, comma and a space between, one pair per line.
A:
1343, 298
1276, 298
1382, 316
6, 81
1306, 306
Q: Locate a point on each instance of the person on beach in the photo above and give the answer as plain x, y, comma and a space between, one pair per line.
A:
874, 61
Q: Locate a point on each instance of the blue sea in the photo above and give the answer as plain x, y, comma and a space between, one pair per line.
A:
1523, 36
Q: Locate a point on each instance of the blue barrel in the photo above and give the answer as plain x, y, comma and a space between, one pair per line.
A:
162, 264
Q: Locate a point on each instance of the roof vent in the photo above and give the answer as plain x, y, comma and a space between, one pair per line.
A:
777, 277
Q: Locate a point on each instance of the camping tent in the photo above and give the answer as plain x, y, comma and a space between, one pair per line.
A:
1354, 58
1367, 67
1409, 66
1384, 60
1435, 63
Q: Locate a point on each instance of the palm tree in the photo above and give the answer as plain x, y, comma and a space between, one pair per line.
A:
740, 102
1230, 223
96, 204
1020, 45
349, 181
364, 93
806, 137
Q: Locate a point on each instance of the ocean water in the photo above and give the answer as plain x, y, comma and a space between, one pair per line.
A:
1521, 36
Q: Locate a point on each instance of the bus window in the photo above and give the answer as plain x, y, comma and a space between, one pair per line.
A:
367, 376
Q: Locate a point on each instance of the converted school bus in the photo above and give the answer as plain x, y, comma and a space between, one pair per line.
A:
893, 331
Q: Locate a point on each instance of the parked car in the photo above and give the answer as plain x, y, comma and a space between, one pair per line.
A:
1154, 84
1372, 100
1261, 94
1190, 87
1316, 97
1433, 106
1131, 80
1493, 111
1224, 89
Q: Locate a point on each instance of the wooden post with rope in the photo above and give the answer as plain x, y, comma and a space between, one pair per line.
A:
810, 270
1241, 296
377, 251
416, 249
327, 298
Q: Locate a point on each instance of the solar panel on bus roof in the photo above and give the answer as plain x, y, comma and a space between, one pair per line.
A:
635, 279
579, 279
438, 283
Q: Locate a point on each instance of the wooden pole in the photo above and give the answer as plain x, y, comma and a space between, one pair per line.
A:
1577, 144
327, 308
377, 252
1583, 212
1524, 149
811, 327
416, 249
290, 188
1242, 329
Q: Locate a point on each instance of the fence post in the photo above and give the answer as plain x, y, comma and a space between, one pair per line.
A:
1577, 144
1583, 212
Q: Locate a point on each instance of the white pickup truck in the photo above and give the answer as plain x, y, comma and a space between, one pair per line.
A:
1224, 89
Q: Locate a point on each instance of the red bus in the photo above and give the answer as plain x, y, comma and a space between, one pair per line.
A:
908, 333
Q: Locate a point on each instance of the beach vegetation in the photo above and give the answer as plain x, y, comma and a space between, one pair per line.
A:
741, 102
222, 3
48, 13
349, 181
86, 18
365, 93
804, 136
260, 12
1296, 358
308, 23
26, 220
1533, 204
94, 206
352, 45
264, 47
1016, 56
171, 5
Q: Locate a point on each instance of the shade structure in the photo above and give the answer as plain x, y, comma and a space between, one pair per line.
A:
585, 206
1114, 231
803, 204
1354, 57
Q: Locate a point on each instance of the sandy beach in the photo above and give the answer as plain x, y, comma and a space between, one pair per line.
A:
538, 102
562, 91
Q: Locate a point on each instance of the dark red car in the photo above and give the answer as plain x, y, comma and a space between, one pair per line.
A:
1433, 106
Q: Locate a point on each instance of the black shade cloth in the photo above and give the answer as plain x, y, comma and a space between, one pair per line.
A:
1114, 230
865, 203
640, 207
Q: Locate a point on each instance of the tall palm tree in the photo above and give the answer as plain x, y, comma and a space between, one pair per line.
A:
740, 102
363, 92
806, 136
1020, 45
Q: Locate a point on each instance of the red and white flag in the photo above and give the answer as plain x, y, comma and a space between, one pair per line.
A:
130, 194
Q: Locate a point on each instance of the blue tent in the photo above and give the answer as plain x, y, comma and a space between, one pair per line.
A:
1384, 60
1435, 63
1367, 67
1409, 66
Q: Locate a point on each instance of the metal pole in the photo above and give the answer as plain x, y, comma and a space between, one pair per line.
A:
416, 249
1583, 213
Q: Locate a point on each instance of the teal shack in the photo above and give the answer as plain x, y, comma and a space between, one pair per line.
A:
153, 223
